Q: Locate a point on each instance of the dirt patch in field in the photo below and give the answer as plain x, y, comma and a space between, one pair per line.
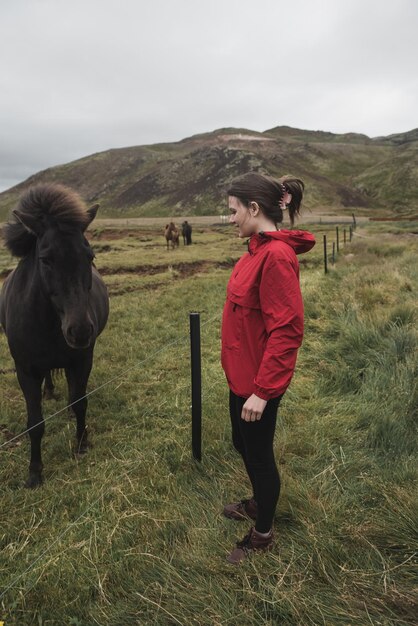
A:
182, 270
123, 233
397, 218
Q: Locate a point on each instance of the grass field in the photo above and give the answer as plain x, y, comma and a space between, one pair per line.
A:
133, 532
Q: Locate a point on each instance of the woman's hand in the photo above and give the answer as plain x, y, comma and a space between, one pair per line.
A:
253, 409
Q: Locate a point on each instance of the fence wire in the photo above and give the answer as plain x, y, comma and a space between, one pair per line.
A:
108, 382
105, 492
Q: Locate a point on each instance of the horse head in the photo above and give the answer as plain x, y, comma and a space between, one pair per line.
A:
63, 262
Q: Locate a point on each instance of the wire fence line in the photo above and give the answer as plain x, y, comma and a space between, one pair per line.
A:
174, 342
105, 490
108, 382
336, 244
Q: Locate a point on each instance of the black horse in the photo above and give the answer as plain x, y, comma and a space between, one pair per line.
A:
186, 231
53, 305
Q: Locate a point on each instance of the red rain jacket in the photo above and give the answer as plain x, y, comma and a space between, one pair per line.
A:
262, 325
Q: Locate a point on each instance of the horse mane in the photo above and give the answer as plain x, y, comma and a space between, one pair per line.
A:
50, 204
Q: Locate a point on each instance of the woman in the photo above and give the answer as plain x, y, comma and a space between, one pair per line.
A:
262, 329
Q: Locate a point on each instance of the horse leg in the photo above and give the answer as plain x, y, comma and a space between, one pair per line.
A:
77, 377
49, 386
32, 390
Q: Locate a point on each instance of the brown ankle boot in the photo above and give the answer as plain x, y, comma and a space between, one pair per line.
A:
241, 510
252, 542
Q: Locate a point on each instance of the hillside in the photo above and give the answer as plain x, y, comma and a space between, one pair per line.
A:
341, 172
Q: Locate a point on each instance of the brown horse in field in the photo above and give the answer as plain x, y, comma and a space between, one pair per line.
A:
53, 305
172, 233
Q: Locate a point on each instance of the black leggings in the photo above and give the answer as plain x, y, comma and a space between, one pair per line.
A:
254, 442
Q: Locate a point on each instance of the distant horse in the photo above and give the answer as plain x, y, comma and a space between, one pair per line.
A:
53, 305
186, 231
171, 233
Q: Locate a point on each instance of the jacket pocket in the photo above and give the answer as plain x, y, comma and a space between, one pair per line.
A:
232, 325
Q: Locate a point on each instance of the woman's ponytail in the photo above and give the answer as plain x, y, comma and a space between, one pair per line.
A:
295, 187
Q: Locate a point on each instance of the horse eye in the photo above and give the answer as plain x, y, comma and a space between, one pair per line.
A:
45, 260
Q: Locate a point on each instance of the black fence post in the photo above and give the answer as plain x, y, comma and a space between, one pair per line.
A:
325, 255
333, 252
354, 221
338, 239
196, 386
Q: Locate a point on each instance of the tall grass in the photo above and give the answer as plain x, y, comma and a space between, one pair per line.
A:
133, 534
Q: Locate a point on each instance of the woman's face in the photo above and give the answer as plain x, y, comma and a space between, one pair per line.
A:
241, 217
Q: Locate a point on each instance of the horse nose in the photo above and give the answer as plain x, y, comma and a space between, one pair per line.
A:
80, 335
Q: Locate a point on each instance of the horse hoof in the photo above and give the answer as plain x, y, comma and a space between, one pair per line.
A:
81, 448
35, 480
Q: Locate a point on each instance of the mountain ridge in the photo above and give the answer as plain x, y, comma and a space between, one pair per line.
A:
189, 177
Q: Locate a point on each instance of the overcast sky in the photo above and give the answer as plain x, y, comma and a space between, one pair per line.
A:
82, 76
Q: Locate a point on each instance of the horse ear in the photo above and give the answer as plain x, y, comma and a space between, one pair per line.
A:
92, 212
28, 221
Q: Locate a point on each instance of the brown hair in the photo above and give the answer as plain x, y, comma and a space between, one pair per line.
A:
268, 193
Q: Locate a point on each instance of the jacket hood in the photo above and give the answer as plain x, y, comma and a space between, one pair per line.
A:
300, 240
